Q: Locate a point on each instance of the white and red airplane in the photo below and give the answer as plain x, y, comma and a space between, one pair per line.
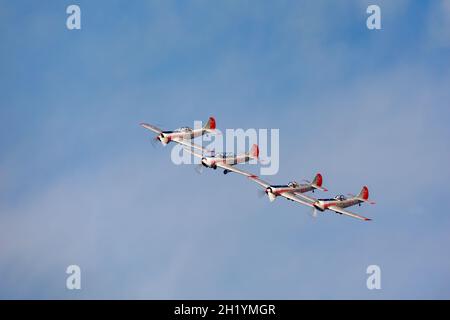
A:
226, 161
182, 135
290, 190
339, 203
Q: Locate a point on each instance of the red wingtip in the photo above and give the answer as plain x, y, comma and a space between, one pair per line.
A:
367, 219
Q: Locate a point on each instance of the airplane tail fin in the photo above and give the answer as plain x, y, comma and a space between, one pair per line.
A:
254, 152
364, 195
317, 183
210, 126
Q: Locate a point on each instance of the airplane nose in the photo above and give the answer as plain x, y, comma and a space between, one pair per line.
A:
207, 162
318, 205
164, 139
271, 196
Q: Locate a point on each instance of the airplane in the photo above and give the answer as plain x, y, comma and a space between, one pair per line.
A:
290, 190
181, 135
339, 203
225, 160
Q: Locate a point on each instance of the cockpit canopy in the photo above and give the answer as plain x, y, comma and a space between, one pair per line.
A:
225, 155
184, 129
339, 197
293, 184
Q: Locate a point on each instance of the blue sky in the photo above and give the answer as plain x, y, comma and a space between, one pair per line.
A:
81, 184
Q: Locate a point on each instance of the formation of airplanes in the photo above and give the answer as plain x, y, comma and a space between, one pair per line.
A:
292, 191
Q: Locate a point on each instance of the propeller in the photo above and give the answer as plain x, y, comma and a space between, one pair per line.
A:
199, 168
155, 142
313, 213
261, 193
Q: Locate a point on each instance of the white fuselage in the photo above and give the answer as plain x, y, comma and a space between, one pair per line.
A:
274, 191
324, 204
185, 133
230, 160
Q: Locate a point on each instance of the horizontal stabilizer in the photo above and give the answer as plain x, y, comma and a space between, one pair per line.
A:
318, 188
365, 200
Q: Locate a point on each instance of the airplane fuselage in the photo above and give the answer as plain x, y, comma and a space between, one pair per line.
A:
212, 161
166, 136
279, 189
324, 204
274, 191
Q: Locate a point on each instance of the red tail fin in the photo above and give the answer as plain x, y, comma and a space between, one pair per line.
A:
211, 124
318, 180
317, 183
364, 194
254, 151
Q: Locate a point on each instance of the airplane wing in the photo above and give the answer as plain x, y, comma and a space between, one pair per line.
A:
348, 213
291, 196
262, 183
234, 169
179, 140
151, 127
195, 154
190, 144
306, 198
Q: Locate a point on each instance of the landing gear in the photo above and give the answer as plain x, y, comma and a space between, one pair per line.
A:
225, 171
